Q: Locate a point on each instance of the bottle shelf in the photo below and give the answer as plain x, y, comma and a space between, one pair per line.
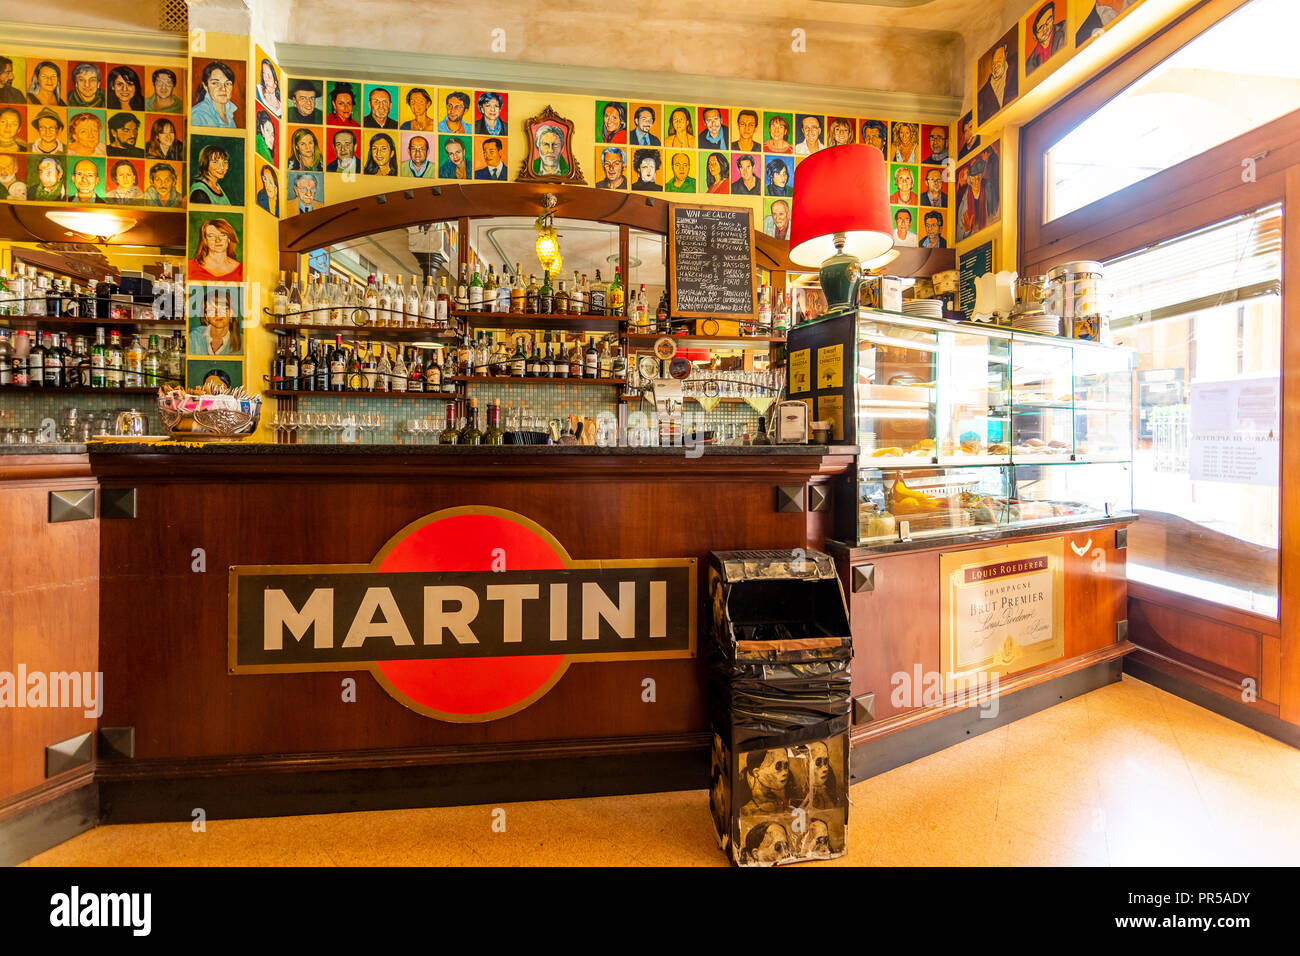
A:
525, 380
78, 390
548, 322
431, 396
371, 333
54, 323
716, 341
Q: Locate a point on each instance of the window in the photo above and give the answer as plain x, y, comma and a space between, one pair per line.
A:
1204, 314
1234, 77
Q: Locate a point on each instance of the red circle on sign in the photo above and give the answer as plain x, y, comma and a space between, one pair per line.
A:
480, 688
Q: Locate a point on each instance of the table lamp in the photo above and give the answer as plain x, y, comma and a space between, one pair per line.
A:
841, 211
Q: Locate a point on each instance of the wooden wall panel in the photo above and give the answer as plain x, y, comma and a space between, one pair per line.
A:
49, 611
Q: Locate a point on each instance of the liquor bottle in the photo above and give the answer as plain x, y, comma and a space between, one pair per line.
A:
6, 359
642, 309
369, 367
518, 295
449, 370
280, 300
383, 370
575, 359
278, 363
606, 361
471, 435
153, 364
429, 304
291, 365
133, 370
781, 317
546, 295
761, 438
22, 350
338, 366
534, 369
764, 310
414, 371
98, 359
615, 301
577, 296
36, 361
449, 435
562, 299
618, 364
398, 376
339, 314
307, 369
356, 379
322, 366
661, 313
465, 357
293, 304
591, 361
532, 295
503, 291
494, 435
414, 307
462, 290
519, 361
113, 370
370, 302
432, 374
490, 291
47, 361
384, 301
598, 296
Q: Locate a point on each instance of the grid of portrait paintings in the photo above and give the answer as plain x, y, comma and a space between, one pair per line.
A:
87, 131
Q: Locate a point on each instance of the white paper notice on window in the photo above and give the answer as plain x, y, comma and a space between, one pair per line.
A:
1234, 428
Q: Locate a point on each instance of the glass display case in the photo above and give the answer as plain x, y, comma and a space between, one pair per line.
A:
965, 428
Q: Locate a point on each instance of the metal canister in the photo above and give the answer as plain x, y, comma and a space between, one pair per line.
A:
1074, 293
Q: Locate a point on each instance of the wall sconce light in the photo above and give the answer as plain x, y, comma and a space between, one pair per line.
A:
548, 240
97, 226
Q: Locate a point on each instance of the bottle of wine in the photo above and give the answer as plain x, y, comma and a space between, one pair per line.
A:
462, 290
290, 382
449, 435
490, 290
307, 370
532, 295
494, 435
280, 300
415, 371
518, 295
429, 305
546, 295
519, 361
471, 435
398, 376
384, 310
356, 379
432, 374
443, 319
293, 306
598, 295
414, 304
476, 291
370, 302
591, 363
338, 366
534, 361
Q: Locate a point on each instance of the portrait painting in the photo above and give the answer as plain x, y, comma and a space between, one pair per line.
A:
418, 155
904, 142
934, 187
125, 134
645, 124
679, 127
270, 90
13, 177
164, 137
13, 128
343, 150
903, 219
713, 128
86, 85
87, 178
978, 192
1044, 32
164, 184
124, 182
874, 132
123, 87
491, 161
381, 153
343, 100
934, 145
746, 175
306, 193
13, 79
216, 170
611, 121
716, 168
1095, 17
215, 246
304, 149
215, 320
267, 136
306, 99
47, 83
416, 112
680, 171
217, 92
454, 112
809, 133
490, 113
934, 232
776, 218
997, 78
268, 189
228, 372
455, 157
548, 141
777, 129
47, 179
778, 176
379, 106
841, 131
903, 184
164, 89
612, 162
647, 170
86, 131
967, 138
47, 131
746, 134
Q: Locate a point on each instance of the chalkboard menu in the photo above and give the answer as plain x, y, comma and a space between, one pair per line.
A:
973, 264
711, 265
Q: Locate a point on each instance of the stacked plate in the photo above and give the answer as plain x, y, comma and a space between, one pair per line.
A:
1036, 320
924, 308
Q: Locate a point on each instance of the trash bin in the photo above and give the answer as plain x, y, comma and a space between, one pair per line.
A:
778, 655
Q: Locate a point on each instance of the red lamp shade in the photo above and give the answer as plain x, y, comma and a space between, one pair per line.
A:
841, 189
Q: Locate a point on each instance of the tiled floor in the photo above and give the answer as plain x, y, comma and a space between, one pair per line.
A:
1126, 775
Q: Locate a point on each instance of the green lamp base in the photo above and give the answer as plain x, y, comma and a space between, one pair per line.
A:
840, 276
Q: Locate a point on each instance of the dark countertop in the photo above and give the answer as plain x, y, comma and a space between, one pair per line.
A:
940, 542
44, 448
376, 451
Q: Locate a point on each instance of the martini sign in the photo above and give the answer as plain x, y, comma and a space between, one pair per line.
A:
466, 615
